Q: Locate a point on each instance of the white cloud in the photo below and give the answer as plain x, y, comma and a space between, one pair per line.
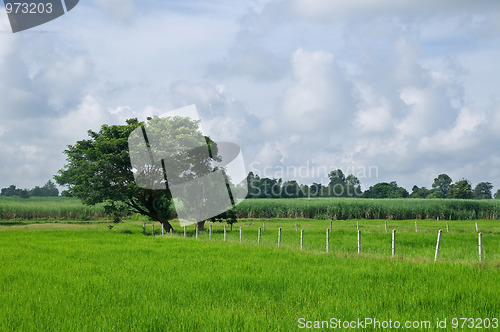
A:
320, 98
120, 10
374, 120
353, 8
409, 87
464, 136
249, 57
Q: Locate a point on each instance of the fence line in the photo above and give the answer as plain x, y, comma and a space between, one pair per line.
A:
328, 231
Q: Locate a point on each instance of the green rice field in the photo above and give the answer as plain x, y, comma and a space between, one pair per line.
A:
88, 276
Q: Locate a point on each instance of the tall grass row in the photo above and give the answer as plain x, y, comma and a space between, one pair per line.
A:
353, 208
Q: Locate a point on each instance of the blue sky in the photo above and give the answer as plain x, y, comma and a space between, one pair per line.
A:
409, 88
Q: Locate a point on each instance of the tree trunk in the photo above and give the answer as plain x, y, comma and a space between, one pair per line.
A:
167, 226
201, 226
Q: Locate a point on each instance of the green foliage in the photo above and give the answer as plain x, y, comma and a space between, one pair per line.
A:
483, 190
386, 190
497, 194
461, 189
99, 170
339, 186
423, 192
23, 193
10, 191
48, 190
336, 176
443, 184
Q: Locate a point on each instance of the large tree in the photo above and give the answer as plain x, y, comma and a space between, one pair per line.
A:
353, 186
461, 189
443, 184
483, 190
99, 170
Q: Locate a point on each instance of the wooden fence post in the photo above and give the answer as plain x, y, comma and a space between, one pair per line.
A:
301, 239
225, 233
241, 234
196, 227
153, 230
327, 240
184, 231
296, 226
357, 225
279, 236
171, 232
447, 227
477, 229
162, 230
264, 226
480, 247
438, 245
416, 227
210, 233
331, 222
144, 228
359, 242
260, 231
393, 242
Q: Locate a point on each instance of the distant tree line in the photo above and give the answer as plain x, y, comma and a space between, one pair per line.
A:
48, 190
349, 186
339, 185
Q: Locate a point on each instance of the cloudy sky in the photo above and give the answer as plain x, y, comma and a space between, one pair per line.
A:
387, 90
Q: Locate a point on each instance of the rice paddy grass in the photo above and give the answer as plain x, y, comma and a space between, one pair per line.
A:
89, 276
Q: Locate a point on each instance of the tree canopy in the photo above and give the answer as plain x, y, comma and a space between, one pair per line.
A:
443, 184
99, 169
